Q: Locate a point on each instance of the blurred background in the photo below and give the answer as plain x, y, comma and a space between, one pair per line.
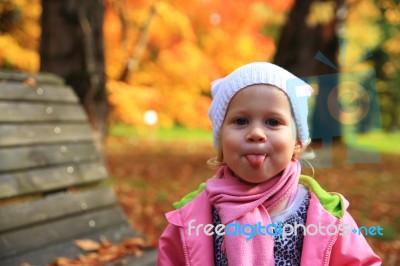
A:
143, 69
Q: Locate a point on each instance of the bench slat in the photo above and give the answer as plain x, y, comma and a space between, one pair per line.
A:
14, 158
40, 112
47, 254
22, 134
50, 179
15, 91
49, 208
38, 77
53, 232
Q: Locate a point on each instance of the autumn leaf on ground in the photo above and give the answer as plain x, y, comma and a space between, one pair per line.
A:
134, 242
136, 245
102, 253
30, 82
87, 244
61, 261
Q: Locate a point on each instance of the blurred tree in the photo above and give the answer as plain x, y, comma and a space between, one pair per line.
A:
19, 34
72, 47
311, 30
381, 21
386, 57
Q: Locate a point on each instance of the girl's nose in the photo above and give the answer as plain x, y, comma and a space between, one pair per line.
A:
256, 134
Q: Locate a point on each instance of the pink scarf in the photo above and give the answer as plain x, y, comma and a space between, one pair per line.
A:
246, 204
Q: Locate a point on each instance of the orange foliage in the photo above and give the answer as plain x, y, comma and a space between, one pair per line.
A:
279, 5
132, 98
188, 44
19, 35
173, 53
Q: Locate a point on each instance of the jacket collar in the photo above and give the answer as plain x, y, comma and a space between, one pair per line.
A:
198, 245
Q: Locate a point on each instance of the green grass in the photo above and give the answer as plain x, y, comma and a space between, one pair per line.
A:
163, 134
379, 141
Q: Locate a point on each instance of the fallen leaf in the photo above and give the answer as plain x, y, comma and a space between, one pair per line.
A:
108, 257
105, 243
138, 252
30, 81
134, 242
87, 244
61, 261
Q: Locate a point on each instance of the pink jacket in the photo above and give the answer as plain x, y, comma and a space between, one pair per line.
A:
177, 247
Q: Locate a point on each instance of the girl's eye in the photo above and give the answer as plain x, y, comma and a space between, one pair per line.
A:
241, 121
272, 122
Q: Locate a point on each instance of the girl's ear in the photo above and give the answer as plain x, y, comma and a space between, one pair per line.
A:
298, 149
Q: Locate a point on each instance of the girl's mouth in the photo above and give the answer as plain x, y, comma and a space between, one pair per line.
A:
256, 160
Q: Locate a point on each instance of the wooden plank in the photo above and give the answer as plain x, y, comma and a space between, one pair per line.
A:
50, 179
47, 254
14, 158
16, 91
56, 231
41, 77
25, 134
40, 112
54, 206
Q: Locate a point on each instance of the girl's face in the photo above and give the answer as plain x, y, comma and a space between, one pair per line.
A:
257, 137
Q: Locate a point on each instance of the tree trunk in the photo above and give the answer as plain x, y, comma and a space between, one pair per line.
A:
132, 64
297, 48
72, 47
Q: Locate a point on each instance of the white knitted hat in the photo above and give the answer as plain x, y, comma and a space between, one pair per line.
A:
297, 90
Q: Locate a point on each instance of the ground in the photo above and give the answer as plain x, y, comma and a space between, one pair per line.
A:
150, 175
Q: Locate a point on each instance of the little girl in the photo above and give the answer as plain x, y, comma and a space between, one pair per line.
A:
258, 209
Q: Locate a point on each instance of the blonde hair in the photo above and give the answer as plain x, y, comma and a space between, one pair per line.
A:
217, 161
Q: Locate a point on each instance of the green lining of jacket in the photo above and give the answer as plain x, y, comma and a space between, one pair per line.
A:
330, 201
188, 197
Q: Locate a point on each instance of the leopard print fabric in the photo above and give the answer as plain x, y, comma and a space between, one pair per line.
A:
287, 252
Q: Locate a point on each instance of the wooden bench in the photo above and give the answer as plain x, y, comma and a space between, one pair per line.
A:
54, 186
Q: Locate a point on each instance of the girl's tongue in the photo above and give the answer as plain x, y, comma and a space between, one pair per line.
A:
255, 160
